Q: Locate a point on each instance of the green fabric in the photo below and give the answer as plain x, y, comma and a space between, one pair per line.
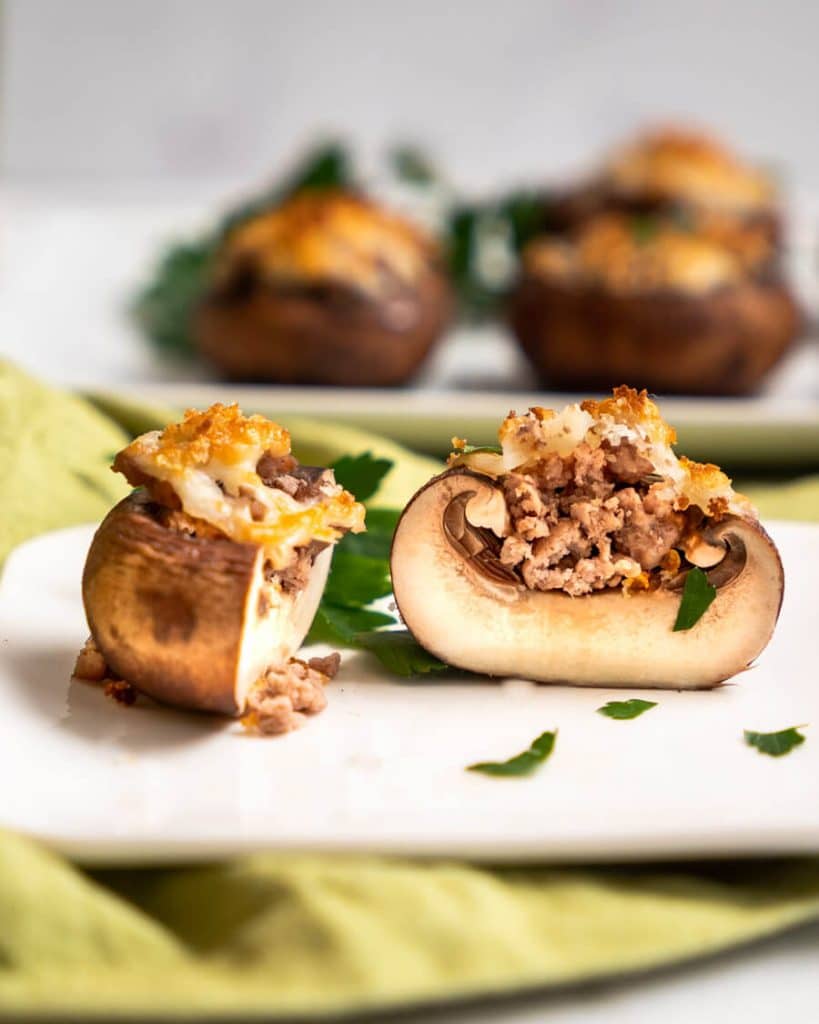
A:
274, 936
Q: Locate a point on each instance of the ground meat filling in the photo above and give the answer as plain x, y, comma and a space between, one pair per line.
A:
589, 520
286, 694
303, 483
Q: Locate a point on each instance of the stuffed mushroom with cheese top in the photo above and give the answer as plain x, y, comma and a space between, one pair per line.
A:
202, 584
563, 558
328, 288
671, 308
677, 171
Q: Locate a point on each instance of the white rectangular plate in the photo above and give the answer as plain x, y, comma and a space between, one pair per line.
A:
382, 769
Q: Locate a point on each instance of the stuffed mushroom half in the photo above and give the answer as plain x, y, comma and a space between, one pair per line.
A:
202, 584
564, 557
692, 310
328, 288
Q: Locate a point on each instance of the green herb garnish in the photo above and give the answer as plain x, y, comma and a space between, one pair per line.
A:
775, 744
622, 710
335, 624
356, 580
412, 165
643, 228
360, 575
522, 764
361, 474
698, 594
376, 542
470, 449
398, 651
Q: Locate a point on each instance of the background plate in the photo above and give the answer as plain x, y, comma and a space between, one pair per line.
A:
382, 769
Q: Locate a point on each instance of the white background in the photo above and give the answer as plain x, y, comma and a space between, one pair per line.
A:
107, 89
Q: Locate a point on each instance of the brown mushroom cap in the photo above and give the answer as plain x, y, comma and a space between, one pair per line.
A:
324, 334
721, 342
185, 619
466, 608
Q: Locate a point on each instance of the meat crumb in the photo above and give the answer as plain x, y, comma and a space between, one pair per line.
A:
120, 691
286, 694
91, 667
90, 664
593, 519
328, 665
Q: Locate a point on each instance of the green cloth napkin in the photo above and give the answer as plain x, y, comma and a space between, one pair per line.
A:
274, 936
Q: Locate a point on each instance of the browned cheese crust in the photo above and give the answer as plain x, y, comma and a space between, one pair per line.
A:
333, 291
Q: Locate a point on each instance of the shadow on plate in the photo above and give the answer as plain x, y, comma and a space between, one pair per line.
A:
43, 677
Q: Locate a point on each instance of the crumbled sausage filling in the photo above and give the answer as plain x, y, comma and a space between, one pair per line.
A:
596, 518
91, 667
286, 694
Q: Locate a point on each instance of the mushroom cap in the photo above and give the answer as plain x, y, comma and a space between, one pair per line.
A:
722, 342
324, 333
188, 620
467, 609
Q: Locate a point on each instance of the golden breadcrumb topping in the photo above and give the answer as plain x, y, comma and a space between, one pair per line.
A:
330, 236
633, 409
639, 254
689, 167
220, 433
209, 464
627, 416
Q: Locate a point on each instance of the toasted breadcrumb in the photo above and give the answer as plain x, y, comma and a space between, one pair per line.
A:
214, 469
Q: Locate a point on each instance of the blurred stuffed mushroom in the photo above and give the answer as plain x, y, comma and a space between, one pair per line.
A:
679, 172
643, 298
328, 288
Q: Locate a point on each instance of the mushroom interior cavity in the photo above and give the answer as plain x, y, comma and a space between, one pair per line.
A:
472, 523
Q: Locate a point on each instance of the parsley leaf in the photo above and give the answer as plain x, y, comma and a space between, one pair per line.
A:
775, 744
376, 542
360, 574
361, 474
337, 625
398, 651
470, 449
622, 710
698, 594
412, 165
522, 764
357, 580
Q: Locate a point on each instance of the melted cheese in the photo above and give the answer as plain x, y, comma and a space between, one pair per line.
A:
687, 167
210, 459
329, 236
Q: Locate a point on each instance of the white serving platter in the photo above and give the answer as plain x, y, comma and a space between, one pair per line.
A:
382, 769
